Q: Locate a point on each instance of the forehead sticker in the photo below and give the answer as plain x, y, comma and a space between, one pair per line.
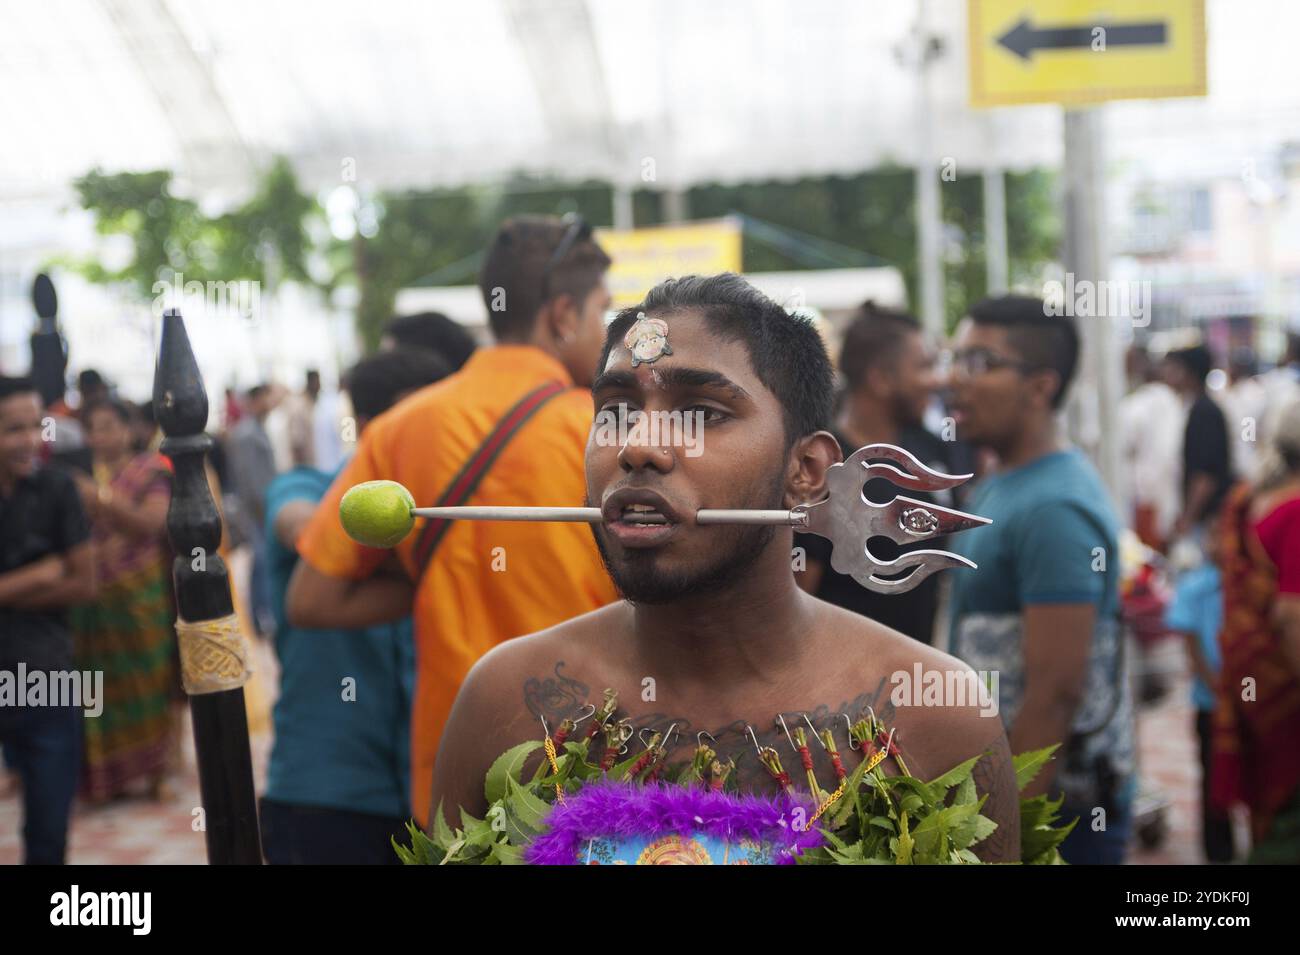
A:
647, 340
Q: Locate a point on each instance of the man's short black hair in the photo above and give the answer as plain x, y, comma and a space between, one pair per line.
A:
257, 391
514, 272
434, 331
19, 385
874, 337
786, 351
1196, 359
1043, 341
375, 382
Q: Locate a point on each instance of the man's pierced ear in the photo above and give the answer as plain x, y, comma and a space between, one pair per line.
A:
813, 456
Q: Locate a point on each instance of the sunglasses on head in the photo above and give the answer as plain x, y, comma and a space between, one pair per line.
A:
578, 230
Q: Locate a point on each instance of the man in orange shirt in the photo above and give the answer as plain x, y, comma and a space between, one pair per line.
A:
511, 425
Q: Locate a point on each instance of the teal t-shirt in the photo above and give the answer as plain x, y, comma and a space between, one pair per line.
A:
342, 721
1197, 607
1054, 539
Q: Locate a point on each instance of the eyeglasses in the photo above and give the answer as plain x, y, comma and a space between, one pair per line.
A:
973, 362
579, 229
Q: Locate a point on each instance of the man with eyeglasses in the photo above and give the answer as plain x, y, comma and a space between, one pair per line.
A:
511, 425
1043, 608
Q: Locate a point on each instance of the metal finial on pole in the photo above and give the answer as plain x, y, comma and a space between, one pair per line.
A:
212, 646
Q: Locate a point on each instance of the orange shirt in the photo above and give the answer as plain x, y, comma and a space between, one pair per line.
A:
488, 581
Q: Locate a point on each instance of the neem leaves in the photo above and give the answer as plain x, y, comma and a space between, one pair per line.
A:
879, 819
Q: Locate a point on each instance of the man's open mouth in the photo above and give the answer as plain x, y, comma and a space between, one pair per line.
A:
640, 517
642, 514
638, 504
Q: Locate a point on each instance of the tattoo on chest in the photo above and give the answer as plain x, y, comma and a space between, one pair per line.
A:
555, 697
561, 696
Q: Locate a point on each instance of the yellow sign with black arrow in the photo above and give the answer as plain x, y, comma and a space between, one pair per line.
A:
1076, 52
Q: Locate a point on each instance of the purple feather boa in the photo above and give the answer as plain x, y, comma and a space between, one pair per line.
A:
620, 810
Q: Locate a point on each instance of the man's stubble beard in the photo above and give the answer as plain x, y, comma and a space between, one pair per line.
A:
639, 580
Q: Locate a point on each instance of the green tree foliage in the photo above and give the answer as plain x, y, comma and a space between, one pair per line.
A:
437, 237
166, 232
264, 239
419, 233
874, 212
270, 224
1033, 236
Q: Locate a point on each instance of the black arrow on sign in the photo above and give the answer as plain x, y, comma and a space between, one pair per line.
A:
1023, 38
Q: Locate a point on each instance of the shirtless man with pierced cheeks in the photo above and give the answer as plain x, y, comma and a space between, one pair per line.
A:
712, 613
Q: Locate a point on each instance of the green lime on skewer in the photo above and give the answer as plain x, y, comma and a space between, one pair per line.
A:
377, 513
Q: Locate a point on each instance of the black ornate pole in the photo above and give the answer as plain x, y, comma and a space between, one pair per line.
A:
212, 648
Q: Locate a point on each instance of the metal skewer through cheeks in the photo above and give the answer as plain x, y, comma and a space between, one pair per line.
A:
845, 517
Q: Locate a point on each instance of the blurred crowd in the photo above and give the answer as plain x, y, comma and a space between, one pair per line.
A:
1203, 533
84, 495
1211, 480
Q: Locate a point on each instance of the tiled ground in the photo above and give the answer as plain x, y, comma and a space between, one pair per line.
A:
141, 831
1170, 766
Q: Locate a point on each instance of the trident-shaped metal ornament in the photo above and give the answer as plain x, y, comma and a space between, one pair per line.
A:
846, 518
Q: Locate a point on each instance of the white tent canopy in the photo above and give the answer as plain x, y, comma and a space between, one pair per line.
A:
439, 92
450, 92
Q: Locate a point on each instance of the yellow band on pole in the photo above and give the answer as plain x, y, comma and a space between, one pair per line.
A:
214, 655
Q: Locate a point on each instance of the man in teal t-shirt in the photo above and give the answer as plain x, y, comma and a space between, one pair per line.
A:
340, 766
1042, 610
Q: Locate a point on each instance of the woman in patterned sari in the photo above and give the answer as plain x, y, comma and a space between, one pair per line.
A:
127, 632
1256, 759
